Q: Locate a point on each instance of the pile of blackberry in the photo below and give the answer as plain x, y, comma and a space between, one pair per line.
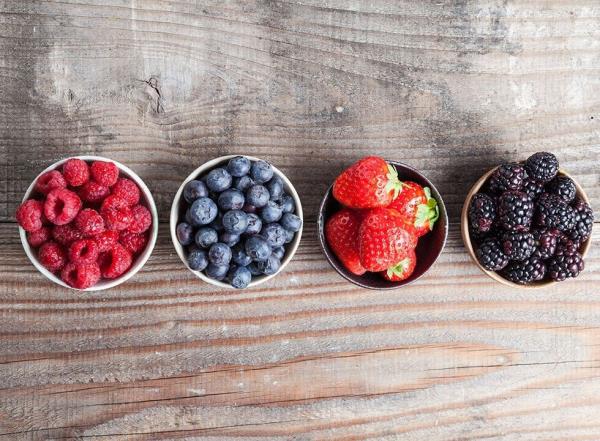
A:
528, 223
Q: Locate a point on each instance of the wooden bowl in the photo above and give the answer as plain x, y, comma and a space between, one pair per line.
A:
429, 248
469, 245
177, 213
137, 264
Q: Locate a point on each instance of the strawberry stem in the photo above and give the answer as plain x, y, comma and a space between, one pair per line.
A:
399, 268
393, 183
427, 213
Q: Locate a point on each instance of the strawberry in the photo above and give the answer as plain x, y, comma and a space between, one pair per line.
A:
402, 270
384, 239
341, 232
417, 206
368, 183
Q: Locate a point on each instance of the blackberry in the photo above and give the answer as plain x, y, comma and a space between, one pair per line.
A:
564, 187
546, 241
532, 187
564, 267
566, 246
491, 256
477, 236
584, 221
553, 212
515, 211
507, 177
482, 213
527, 271
542, 166
518, 246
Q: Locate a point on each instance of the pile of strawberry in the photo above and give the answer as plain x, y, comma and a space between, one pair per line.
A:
86, 222
383, 218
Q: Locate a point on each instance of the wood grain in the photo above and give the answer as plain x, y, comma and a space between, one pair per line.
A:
451, 88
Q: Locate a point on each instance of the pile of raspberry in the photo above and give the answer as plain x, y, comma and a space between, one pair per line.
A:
86, 222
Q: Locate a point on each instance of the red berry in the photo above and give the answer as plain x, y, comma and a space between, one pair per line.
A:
81, 275
142, 219
61, 206
104, 173
83, 251
66, 234
133, 242
49, 181
115, 262
341, 231
403, 269
417, 206
52, 256
30, 215
93, 192
89, 222
76, 172
126, 189
38, 237
117, 215
106, 240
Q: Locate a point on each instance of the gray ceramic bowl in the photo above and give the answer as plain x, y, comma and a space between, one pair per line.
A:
428, 249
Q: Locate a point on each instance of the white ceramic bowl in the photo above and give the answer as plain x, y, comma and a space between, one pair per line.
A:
137, 264
175, 210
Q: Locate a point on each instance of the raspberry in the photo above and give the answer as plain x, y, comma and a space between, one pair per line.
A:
83, 251
93, 192
61, 206
89, 222
52, 256
115, 261
117, 215
142, 219
76, 172
126, 189
104, 173
30, 215
106, 240
66, 234
49, 181
133, 242
81, 275
38, 237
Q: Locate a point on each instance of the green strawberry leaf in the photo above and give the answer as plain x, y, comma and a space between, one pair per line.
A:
393, 183
399, 268
427, 213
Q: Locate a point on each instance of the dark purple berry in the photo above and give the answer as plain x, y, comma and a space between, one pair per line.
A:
564, 187
564, 267
553, 212
526, 271
482, 213
542, 166
515, 211
518, 246
507, 177
491, 256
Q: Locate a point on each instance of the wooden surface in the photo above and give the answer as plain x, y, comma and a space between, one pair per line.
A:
449, 87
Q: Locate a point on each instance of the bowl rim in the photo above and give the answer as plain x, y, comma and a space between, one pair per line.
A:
466, 237
141, 259
174, 217
338, 267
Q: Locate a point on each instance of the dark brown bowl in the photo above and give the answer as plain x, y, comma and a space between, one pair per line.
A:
428, 249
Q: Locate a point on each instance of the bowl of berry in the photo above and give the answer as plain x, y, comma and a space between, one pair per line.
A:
88, 223
382, 224
528, 224
236, 221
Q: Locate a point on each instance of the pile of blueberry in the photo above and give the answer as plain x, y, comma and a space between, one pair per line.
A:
237, 221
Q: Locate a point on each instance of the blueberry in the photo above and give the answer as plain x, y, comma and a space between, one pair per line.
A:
197, 259
257, 248
238, 166
206, 236
229, 239
254, 269
185, 233
194, 190
203, 211
218, 180
261, 172
235, 221
269, 266
275, 187
274, 234
239, 256
287, 204
278, 252
219, 254
289, 236
231, 199
258, 196
239, 277
243, 183
271, 212
291, 222
217, 272
254, 224
247, 208
217, 224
